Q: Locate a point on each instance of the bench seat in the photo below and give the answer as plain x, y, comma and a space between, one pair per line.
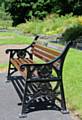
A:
17, 62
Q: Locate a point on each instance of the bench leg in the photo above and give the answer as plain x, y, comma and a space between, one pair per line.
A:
22, 115
24, 102
10, 71
27, 101
8, 75
60, 104
63, 103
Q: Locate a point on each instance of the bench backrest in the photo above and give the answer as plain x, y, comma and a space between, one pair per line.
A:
44, 53
56, 55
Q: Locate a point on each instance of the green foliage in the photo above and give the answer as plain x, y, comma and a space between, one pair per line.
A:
63, 6
33, 26
4, 15
22, 10
4, 3
52, 24
77, 9
5, 24
72, 32
5, 20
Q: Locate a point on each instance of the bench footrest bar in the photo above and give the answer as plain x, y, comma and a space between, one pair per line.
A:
65, 111
22, 115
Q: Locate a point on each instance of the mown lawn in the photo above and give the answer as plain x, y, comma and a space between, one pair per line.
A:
3, 66
14, 38
73, 80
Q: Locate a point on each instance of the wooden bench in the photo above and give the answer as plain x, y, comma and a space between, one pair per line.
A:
43, 88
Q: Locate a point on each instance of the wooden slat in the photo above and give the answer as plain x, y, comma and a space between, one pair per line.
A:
50, 56
54, 52
45, 54
28, 61
56, 64
44, 58
25, 61
23, 72
17, 62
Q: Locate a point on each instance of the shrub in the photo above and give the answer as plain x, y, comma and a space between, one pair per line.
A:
34, 26
4, 15
79, 19
52, 24
5, 24
72, 32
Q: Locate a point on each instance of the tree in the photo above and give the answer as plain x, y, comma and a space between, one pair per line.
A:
63, 7
77, 9
67, 6
22, 10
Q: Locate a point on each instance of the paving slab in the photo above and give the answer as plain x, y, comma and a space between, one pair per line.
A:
9, 110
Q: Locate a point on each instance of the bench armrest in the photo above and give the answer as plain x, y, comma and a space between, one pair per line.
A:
16, 50
23, 66
38, 70
21, 53
10, 50
34, 64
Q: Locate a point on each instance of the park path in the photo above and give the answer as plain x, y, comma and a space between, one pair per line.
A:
8, 101
5, 57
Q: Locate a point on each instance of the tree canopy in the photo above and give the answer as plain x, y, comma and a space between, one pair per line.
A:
22, 10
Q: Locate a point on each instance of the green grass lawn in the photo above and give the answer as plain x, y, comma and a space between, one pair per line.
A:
73, 80
14, 38
3, 65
